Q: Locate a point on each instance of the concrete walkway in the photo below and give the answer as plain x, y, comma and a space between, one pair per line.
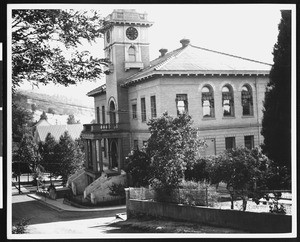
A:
59, 205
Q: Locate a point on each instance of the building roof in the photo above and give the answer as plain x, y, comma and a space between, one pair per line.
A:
97, 91
42, 122
58, 130
193, 60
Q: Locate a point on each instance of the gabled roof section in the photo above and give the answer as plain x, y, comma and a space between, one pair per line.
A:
193, 60
97, 91
56, 131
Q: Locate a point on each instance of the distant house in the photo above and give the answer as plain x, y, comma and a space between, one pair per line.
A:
56, 131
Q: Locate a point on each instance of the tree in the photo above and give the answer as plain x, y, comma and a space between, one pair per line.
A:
246, 173
27, 158
139, 168
22, 119
51, 110
70, 157
172, 146
38, 38
71, 119
43, 116
33, 107
276, 123
49, 157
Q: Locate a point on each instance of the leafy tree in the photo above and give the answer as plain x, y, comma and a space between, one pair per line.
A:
172, 146
43, 116
38, 38
70, 157
138, 166
33, 107
26, 156
22, 119
198, 171
71, 119
276, 123
48, 155
51, 110
246, 173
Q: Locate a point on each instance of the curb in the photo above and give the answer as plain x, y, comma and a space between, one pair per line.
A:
45, 203
75, 209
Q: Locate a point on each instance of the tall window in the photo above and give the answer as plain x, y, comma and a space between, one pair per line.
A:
103, 114
153, 106
227, 101
131, 54
98, 115
143, 109
247, 100
230, 143
134, 115
208, 102
249, 141
135, 144
181, 103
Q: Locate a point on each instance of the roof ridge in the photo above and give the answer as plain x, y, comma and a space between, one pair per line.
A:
222, 53
172, 56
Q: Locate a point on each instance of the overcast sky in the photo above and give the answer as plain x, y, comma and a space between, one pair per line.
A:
248, 31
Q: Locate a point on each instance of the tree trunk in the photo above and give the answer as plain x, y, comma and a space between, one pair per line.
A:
245, 198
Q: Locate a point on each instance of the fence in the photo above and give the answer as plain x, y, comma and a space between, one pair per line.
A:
140, 201
198, 197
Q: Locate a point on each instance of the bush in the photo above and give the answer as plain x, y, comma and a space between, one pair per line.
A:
138, 166
117, 190
20, 227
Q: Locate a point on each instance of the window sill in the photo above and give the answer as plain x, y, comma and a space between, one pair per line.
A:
229, 117
208, 118
248, 116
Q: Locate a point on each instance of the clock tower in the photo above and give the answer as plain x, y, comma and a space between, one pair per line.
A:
126, 46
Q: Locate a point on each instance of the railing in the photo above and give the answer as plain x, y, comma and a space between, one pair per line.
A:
99, 127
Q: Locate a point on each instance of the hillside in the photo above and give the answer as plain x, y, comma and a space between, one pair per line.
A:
57, 107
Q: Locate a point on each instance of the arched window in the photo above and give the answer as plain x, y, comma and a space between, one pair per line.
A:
208, 102
247, 100
112, 113
227, 101
131, 54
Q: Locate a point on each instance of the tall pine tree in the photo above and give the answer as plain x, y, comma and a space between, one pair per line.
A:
276, 123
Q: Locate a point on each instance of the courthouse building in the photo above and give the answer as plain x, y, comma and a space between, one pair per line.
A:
223, 94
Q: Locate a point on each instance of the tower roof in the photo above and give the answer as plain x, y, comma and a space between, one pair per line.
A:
193, 60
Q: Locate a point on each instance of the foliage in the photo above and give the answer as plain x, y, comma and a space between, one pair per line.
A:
244, 171
38, 36
21, 226
22, 118
43, 116
276, 123
172, 146
117, 189
48, 156
69, 157
138, 165
71, 119
33, 107
27, 154
198, 171
51, 110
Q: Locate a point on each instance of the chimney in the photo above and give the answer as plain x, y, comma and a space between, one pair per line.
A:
163, 52
185, 42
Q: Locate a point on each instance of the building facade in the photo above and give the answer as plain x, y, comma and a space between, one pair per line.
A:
223, 94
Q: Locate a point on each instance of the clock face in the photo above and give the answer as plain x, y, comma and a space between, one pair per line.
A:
131, 33
107, 36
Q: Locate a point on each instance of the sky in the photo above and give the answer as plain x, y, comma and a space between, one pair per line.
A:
244, 30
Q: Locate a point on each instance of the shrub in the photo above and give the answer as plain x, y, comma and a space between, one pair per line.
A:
117, 190
20, 227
